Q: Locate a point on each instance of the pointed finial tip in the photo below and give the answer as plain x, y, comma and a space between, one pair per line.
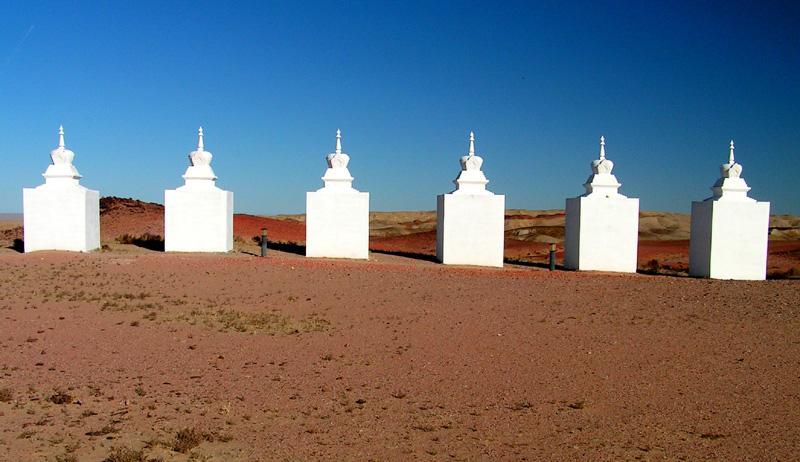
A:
602, 147
471, 143
200, 139
61, 136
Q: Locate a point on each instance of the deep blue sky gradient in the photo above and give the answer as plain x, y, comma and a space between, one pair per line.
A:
668, 84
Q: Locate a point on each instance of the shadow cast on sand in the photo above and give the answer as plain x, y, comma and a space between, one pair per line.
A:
288, 247
543, 265
415, 256
18, 246
149, 244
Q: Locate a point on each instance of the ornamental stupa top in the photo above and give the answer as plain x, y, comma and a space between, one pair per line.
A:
201, 156
61, 171
601, 183
337, 177
471, 180
199, 174
730, 186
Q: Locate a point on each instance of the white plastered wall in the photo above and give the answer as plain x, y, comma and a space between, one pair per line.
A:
61, 217
470, 229
601, 234
198, 220
337, 224
729, 240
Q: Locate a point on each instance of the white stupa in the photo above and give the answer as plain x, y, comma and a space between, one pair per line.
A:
61, 214
198, 216
729, 234
470, 220
337, 215
602, 225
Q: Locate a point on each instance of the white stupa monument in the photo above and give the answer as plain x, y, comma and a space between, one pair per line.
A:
470, 220
602, 225
61, 214
729, 234
198, 216
337, 215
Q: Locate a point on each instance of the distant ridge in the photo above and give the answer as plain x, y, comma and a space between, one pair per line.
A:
10, 217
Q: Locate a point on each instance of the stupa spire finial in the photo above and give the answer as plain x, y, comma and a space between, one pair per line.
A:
471, 144
338, 141
200, 139
602, 147
730, 157
61, 136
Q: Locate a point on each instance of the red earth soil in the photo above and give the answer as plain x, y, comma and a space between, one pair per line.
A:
132, 354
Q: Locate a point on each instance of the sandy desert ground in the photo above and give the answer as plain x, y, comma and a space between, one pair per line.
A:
130, 354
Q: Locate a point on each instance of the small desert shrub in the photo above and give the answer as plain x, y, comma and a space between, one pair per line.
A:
125, 454
67, 458
793, 273
107, 430
188, 439
6, 394
652, 266
60, 398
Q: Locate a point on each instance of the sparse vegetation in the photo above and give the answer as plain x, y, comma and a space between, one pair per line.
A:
60, 398
6, 394
272, 322
188, 439
125, 454
652, 266
793, 273
66, 458
106, 430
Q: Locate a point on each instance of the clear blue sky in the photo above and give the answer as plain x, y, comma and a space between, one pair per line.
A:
668, 84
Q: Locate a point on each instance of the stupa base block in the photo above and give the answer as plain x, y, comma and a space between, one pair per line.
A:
470, 229
729, 240
337, 225
601, 234
198, 221
61, 218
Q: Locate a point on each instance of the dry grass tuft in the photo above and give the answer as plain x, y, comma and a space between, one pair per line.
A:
125, 454
6, 394
272, 322
188, 439
60, 398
